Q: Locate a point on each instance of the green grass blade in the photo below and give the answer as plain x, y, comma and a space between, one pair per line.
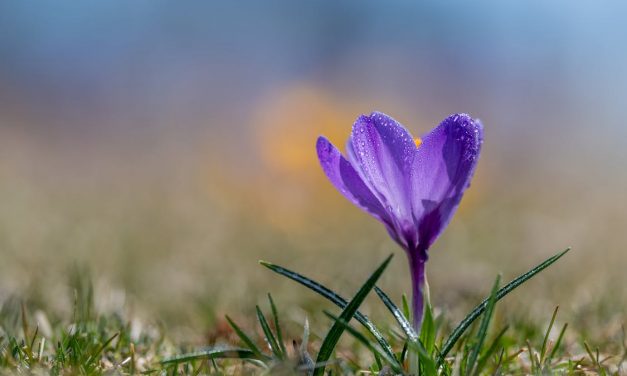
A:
478, 310
491, 350
427, 364
101, 348
546, 336
277, 326
270, 339
406, 309
212, 353
594, 358
249, 342
377, 359
334, 334
557, 344
398, 315
533, 359
403, 354
394, 364
483, 328
333, 298
427, 330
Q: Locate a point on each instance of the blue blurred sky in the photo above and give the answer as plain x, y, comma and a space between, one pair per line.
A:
547, 75
532, 59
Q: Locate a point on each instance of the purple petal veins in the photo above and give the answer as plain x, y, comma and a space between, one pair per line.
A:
413, 190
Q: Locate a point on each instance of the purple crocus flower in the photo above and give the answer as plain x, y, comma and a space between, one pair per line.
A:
411, 185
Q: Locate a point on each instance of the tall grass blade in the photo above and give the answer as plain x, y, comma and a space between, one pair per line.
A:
546, 336
557, 344
595, 359
427, 330
334, 298
334, 334
270, 339
483, 328
491, 350
533, 359
406, 309
277, 326
249, 342
478, 310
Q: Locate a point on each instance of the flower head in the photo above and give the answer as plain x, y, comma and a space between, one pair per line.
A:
411, 185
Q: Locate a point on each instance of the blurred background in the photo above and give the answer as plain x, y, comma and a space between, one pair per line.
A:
166, 147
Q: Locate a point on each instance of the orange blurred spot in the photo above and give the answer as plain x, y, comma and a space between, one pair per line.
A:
286, 125
289, 122
418, 142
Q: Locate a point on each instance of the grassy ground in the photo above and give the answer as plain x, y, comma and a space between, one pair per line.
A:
172, 247
498, 342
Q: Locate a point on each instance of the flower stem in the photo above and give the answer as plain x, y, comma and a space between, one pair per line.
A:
417, 270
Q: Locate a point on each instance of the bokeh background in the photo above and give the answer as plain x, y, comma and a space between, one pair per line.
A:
166, 147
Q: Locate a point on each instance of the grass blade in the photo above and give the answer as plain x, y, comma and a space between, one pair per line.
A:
333, 298
491, 350
557, 344
546, 336
361, 338
334, 334
406, 309
427, 364
478, 310
483, 328
594, 357
427, 331
533, 359
398, 315
249, 342
212, 353
101, 348
277, 327
270, 339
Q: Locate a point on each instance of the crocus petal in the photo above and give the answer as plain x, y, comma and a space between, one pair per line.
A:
347, 181
443, 167
397, 140
381, 151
